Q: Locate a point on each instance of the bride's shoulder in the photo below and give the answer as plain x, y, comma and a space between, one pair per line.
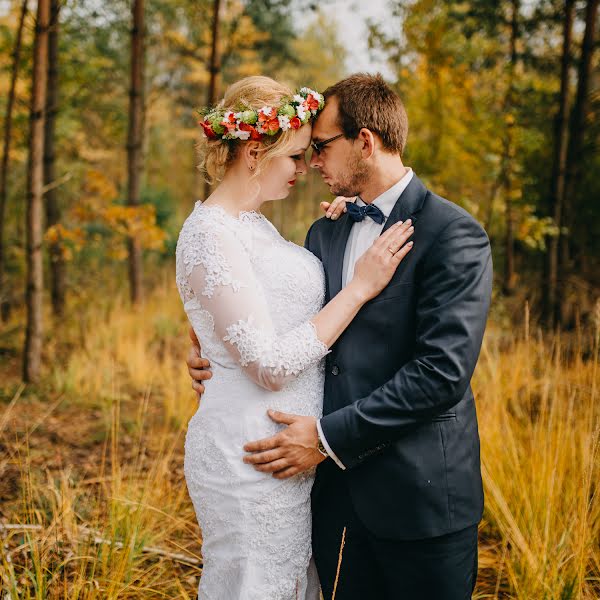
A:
208, 218
208, 212
211, 224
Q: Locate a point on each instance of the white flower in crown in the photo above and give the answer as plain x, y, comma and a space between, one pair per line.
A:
298, 98
284, 122
307, 92
242, 135
300, 109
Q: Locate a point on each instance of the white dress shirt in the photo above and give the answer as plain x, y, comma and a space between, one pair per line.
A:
362, 235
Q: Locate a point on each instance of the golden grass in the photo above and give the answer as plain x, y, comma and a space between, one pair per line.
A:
539, 424
93, 499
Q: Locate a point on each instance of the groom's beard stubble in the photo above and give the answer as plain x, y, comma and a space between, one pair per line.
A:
353, 180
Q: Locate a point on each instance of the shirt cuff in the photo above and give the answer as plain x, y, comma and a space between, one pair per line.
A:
330, 452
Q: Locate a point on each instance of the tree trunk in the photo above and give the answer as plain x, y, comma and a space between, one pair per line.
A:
489, 213
558, 169
215, 64
35, 184
135, 141
509, 240
53, 213
573, 163
214, 69
4, 298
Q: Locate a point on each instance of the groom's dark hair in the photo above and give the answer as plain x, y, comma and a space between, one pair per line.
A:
368, 101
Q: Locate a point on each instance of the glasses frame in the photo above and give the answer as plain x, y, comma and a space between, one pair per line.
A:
318, 146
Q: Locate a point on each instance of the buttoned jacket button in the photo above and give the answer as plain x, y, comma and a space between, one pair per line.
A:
335, 370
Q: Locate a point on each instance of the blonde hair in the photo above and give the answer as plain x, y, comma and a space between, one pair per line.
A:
252, 92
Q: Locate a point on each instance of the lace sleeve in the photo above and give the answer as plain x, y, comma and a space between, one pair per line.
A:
219, 271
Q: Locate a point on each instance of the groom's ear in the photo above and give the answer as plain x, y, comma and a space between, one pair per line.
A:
366, 139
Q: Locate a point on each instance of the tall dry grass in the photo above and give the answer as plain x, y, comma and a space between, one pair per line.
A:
110, 518
539, 420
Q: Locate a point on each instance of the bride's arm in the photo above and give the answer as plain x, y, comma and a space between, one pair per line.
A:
220, 273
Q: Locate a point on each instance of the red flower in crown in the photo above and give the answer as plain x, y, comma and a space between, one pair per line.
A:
208, 130
272, 125
229, 122
311, 102
295, 123
268, 121
254, 135
263, 117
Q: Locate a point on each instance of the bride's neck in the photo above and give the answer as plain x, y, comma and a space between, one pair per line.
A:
236, 193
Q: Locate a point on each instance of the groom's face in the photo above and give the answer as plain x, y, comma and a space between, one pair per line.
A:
339, 161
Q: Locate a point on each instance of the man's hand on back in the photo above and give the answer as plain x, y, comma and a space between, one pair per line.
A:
197, 366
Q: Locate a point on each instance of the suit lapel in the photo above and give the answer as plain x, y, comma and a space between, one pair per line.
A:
408, 204
337, 248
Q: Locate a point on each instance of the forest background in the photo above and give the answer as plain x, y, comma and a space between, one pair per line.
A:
98, 173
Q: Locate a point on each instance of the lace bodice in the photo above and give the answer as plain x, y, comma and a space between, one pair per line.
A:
250, 294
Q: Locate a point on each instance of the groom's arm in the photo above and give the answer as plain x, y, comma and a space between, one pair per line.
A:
452, 306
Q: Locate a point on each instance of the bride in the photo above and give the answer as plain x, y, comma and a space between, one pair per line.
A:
256, 302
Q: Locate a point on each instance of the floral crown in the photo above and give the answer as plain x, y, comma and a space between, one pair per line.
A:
249, 124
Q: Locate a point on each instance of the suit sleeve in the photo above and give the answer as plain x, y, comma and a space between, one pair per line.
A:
452, 305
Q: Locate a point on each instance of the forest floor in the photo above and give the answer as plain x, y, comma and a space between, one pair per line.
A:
93, 502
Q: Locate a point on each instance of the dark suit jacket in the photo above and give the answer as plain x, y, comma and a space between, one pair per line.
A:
398, 409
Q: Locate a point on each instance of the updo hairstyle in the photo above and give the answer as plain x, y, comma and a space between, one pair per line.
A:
252, 93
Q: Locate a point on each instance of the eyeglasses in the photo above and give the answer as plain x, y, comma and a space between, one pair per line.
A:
318, 146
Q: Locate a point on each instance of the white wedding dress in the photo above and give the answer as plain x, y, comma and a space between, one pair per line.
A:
249, 295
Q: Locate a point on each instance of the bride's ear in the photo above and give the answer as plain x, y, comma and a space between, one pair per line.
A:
250, 154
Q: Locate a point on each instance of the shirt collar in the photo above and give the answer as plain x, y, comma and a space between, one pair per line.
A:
388, 199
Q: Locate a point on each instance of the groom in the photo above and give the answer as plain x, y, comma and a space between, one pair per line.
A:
398, 492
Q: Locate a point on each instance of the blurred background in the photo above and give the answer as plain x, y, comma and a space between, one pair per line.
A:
98, 172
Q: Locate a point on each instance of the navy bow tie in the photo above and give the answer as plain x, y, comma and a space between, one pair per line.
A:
358, 213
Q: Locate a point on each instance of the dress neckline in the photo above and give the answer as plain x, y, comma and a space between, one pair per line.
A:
243, 215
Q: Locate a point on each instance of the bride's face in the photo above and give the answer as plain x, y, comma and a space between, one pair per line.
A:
280, 175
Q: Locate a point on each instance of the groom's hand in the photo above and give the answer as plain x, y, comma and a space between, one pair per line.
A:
197, 366
291, 451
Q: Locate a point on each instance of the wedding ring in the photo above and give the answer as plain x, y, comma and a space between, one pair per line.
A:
392, 252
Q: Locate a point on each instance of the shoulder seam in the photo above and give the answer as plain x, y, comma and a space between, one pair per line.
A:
441, 233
